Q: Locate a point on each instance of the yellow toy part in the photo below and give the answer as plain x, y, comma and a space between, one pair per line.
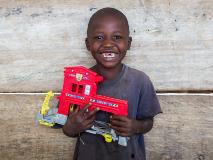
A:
45, 106
46, 123
107, 137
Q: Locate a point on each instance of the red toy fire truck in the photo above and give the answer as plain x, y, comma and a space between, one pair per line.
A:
80, 88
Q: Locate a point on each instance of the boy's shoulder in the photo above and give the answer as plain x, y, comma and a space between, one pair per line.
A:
136, 74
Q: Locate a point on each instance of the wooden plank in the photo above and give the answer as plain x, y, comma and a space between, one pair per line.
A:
171, 43
22, 138
184, 130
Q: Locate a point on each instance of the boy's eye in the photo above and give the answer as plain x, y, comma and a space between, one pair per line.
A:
98, 37
116, 37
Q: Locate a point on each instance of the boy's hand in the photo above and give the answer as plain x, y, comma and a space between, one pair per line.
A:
79, 120
122, 125
125, 126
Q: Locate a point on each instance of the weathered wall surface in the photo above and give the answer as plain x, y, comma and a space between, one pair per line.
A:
172, 43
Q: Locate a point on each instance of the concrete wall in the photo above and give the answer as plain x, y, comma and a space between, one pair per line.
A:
172, 43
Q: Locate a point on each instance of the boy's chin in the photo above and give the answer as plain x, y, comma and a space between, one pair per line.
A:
110, 65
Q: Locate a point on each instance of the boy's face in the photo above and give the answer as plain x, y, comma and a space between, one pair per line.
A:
108, 40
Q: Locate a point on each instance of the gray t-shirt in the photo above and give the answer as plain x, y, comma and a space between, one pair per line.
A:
135, 87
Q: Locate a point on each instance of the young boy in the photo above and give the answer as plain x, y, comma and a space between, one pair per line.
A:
108, 41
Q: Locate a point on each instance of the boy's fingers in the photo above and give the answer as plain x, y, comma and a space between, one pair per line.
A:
92, 113
117, 123
118, 118
90, 121
84, 109
120, 131
89, 117
89, 125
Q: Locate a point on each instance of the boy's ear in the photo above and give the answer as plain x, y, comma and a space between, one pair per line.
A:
87, 44
129, 43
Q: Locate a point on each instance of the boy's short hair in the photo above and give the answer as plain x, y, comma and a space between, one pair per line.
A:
108, 11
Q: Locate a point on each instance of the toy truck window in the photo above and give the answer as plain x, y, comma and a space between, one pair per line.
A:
87, 89
74, 87
80, 88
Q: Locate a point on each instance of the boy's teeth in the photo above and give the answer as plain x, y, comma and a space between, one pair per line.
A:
109, 55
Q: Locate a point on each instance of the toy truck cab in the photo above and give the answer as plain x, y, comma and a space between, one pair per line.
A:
79, 85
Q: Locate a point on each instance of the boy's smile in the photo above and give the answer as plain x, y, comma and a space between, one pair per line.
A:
108, 40
109, 56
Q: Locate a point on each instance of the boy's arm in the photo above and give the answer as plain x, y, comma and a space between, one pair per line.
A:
78, 121
125, 126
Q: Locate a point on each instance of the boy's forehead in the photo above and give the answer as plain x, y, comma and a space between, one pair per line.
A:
108, 15
109, 25
106, 18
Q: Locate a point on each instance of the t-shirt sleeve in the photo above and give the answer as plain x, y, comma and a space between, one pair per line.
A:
148, 104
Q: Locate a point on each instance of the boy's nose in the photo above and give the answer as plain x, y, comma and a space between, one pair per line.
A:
108, 43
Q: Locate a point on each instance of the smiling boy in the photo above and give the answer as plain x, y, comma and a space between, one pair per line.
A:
108, 41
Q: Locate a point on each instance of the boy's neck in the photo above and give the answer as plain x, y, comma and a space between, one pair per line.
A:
108, 73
